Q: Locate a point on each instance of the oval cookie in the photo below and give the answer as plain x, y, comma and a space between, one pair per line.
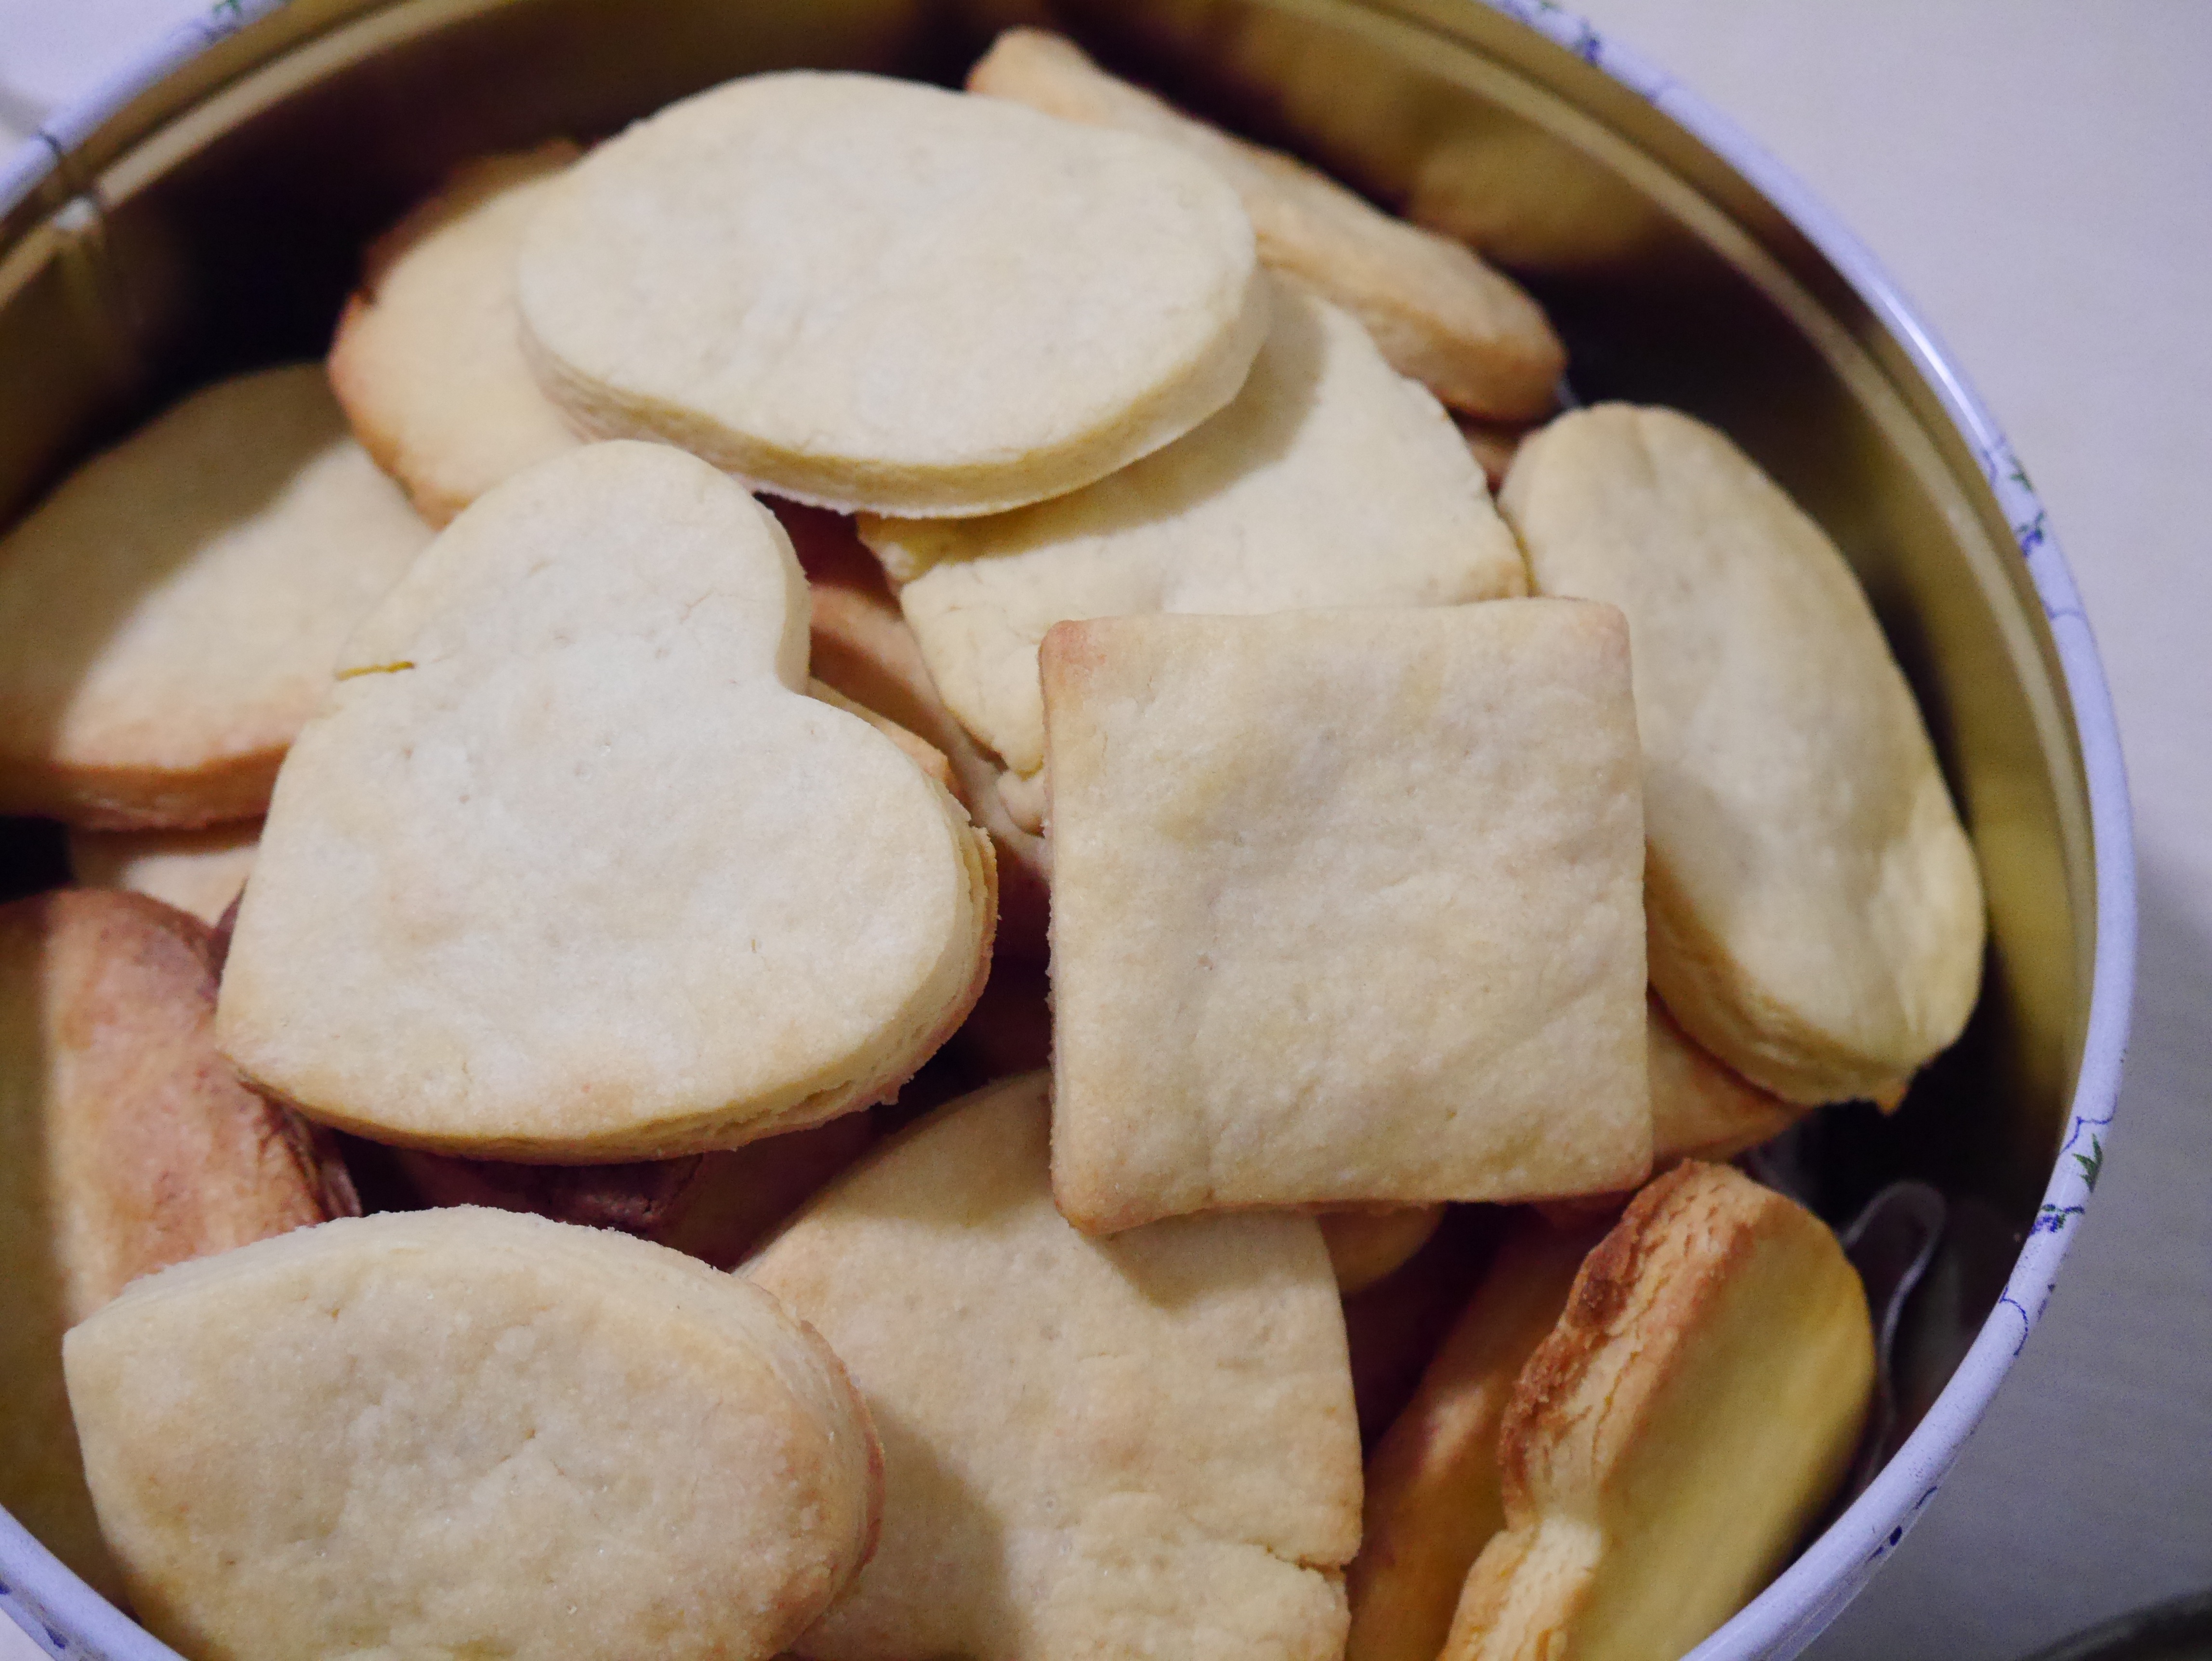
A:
866, 292
471, 1432
174, 609
1816, 914
570, 870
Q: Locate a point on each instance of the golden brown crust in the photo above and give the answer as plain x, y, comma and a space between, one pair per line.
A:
1229, 1031
1669, 1441
125, 1145
1432, 1483
164, 1156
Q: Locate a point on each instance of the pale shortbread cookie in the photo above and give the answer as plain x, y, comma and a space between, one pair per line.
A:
1669, 1442
568, 869
471, 1432
862, 646
1439, 313
172, 610
125, 1144
1816, 917
919, 750
1141, 1448
867, 293
1331, 481
1368, 1243
1699, 1108
1347, 906
1432, 1498
196, 871
428, 360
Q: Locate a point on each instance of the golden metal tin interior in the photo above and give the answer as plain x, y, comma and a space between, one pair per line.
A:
215, 223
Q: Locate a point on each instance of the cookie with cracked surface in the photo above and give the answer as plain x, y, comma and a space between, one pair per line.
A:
428, 360
1145, 1446
496, 1435
866, 292
1347, 907
1440, 314
1331, 481
1671, 1439
570, 870
174, 609
1816, 914
125, 1144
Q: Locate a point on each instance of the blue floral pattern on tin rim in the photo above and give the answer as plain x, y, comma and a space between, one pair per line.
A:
1793, 1610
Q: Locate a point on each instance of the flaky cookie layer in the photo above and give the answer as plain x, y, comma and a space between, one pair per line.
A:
1670, 1441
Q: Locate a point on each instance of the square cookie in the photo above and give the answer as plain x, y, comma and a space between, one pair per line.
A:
1347, 906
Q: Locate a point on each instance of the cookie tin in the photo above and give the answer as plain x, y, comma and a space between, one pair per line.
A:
204, 209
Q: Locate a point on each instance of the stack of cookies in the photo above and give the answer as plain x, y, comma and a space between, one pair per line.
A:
907, 714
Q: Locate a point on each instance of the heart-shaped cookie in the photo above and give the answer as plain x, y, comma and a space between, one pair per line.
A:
569, 869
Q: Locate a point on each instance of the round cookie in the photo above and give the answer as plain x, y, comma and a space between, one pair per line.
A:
866, 292
471, 1432
174, 609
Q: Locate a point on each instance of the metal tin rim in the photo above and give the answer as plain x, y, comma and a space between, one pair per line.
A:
1814, 1588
